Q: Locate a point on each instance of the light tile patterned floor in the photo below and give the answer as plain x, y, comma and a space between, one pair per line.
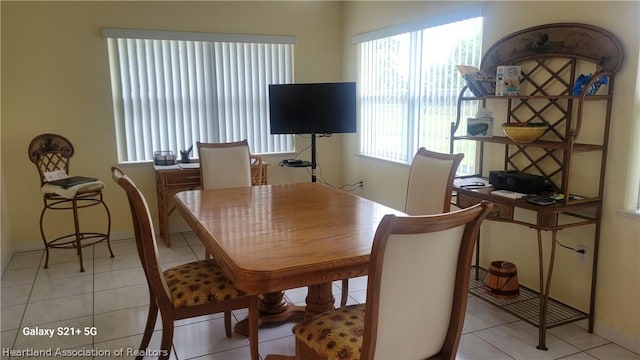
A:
112, 297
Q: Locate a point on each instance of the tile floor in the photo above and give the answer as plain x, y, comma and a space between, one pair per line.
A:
111, 297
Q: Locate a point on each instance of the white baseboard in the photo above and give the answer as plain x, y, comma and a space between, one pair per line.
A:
22, 247
626, 341
6, 257
180, 228
33, 245
27, 246
39, 245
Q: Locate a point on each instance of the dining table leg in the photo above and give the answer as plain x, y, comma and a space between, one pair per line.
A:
274, 307
319, 299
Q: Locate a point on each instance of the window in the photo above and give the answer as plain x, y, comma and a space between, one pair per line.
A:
172, 89
409, 85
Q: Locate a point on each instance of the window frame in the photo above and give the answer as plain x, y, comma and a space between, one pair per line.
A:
413, 30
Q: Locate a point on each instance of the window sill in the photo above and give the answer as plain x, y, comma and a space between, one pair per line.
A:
375, 158
630, 213
125, 164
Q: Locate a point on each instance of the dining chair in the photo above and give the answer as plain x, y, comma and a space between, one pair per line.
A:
428, 190
431, 182
51, 154
435, 252
226, 165
189, 290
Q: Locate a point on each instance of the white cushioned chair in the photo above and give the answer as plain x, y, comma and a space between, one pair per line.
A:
428, 189
225, 165
431, 182
416, 293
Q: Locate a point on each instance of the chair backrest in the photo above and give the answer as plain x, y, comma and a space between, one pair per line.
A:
145, 238
430, 182
50, 152
224, 165
417, 287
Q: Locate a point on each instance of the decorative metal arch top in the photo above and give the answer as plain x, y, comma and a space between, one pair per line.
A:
562, 39
45, 143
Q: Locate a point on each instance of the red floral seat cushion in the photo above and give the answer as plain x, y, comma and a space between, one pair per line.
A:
335, 334
199, 282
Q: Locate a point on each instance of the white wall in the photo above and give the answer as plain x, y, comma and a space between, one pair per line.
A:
55, 78
617, 310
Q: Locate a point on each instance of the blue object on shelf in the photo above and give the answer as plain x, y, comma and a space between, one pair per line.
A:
583, 80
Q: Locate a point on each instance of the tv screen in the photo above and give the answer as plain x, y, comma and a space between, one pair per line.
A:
314, 108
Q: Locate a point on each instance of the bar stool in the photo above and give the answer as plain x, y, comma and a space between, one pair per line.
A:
51, 154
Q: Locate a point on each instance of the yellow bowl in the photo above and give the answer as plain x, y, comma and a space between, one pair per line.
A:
523, 134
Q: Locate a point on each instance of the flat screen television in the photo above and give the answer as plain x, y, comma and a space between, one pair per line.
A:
313, 108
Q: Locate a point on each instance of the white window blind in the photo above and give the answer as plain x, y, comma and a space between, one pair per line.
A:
170, 93
409, 85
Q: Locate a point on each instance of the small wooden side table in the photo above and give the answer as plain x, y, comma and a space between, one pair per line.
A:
172, 179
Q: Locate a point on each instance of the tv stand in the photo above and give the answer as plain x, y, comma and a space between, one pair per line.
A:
300, 163
313, 163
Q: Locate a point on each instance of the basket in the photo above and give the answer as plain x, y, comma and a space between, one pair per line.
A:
164, 158
502, 280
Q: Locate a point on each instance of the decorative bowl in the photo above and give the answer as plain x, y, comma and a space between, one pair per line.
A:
524, 133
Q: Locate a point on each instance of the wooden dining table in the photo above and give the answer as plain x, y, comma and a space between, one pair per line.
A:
271, 238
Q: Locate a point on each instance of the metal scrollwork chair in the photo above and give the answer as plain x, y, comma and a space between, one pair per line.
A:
51, 154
